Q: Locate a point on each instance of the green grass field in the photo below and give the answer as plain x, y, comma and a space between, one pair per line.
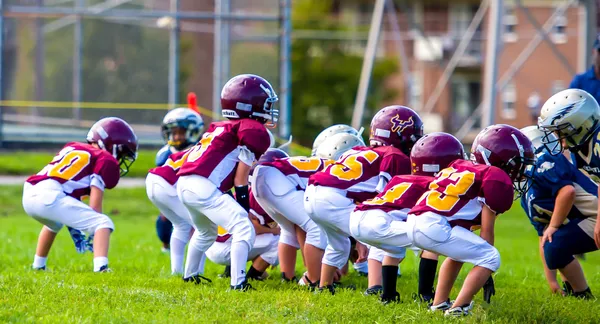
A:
140, 288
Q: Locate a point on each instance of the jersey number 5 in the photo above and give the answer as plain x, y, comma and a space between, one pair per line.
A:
68, 163
308, 164
207, 138
456, 184
350, 168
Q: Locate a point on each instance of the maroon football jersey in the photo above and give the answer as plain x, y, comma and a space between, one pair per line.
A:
399, 196
168, 171
298, 168
459, 192
358, 171
263, 218
77, 167
216, 156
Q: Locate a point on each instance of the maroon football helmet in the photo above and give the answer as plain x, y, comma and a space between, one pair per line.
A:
270, 156
249, 96
434, 152
397, 126
505, 147
114, 135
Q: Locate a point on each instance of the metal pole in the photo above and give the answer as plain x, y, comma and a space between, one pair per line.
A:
77, 62
225, 42
563, 60
367, 67
174, 56
285, 68
39, 60
458, 53
1, 71
402, 58
491, 62
217, 72
66, 21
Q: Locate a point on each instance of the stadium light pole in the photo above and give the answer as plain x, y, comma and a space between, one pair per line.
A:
367, 66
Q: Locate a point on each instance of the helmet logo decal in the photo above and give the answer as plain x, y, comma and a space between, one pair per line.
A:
565, 110
398, 125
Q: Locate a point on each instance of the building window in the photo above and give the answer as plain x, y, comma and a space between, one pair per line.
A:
557, 86
559, 30
509, 98
509, 21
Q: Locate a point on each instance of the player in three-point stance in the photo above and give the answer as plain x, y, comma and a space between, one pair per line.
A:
358, 175
559, 199
53, 196
466, 196
181, 128
571, 120
379, 222
221, 161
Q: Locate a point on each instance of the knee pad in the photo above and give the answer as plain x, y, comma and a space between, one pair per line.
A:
182, 232
243, 231
491, 260
289, 238
337, 258
164, 228
557, 257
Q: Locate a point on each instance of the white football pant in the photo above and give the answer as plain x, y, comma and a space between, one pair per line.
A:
164, 196
209, 207
47, 203
330, 209
379, 229
432, 232
280, 198
265, 246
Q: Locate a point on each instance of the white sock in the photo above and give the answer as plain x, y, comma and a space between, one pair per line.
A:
99, 262
239, 257
192, 263
177, 253
39, 261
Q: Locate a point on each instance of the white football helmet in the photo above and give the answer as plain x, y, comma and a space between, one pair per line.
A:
334, 146
330, 131
572, 115
536, 136
184, 118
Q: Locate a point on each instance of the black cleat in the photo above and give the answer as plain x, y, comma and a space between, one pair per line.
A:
226, 272
285, 279
373, 290
197, 279
330, 288
244, 286
390, 299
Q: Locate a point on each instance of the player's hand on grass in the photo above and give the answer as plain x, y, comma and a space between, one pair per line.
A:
363, 252
555, 288
489, 290
547, 237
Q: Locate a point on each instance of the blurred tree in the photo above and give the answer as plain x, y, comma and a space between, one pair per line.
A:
325, 75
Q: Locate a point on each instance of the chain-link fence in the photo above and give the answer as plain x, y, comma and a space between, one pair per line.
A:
67, 63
